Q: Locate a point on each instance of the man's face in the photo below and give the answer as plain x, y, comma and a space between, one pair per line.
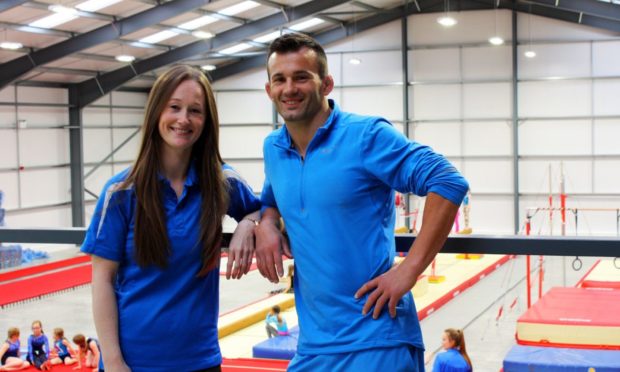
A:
295, 86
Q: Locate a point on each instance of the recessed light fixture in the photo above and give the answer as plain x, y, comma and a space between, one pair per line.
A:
530, 53
208, 67
496, 40
268, 37
202, 34
238, 8
61, 9
236, 48
355, 61
11, 45
94, 5
307, 24
53, 20
125, 58
447, 21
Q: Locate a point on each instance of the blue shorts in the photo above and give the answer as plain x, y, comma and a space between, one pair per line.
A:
401, 358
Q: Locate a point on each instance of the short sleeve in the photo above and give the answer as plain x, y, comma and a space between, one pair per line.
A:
242, 198
107, 234
409, 166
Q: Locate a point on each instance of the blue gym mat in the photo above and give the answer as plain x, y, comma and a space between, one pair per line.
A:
281, 347
551, 359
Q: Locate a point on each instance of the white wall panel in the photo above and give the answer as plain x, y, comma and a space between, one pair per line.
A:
554, 98
377, 101
49, 217
129, 99
127, 116
487, 138
43, 147
43, 116
8, 185
473, 27
543, 28
252, 79
104, 100
96, 116
97, 144
607, 96
567, 137
42, 95
435, 102
442, 137
130, 150
488, 100
7, 94
434, 64
8, 144
244, 107
383, 37
489, 175
97, 180
487, 62
45, 186
534, 175
252, 171
7, 117
607, 136
607, 176
376, 68
491, 214
242, 142
121, 166
555, 60
604, 54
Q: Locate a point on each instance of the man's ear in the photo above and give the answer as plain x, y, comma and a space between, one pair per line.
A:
268, 89
328, 85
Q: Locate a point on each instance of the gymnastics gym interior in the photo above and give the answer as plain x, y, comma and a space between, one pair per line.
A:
522, 96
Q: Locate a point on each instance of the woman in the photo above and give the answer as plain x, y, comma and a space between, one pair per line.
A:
455, 358
155, 236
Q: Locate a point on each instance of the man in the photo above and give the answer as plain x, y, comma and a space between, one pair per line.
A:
331, 176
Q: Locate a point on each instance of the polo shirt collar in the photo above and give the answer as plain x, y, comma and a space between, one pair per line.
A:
284, 138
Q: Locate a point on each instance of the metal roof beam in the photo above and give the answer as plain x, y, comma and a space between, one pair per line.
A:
92, 89
587, 7
12, 70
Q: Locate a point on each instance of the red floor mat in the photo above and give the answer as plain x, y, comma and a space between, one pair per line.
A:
39, 269
253, 365
44, 284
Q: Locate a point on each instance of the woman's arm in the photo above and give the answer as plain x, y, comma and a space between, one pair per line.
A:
241, 247
105, 312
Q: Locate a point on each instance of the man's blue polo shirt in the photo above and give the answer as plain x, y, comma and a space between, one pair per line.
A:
338, 207
167, 318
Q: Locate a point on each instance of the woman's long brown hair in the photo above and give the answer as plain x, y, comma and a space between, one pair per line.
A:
152, 246
458, 337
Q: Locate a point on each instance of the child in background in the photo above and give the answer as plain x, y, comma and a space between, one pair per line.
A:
455, 358
63, 348
276, 324
38, 347
9, 353
90, 350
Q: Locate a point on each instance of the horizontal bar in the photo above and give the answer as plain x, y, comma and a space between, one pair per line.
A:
485, 244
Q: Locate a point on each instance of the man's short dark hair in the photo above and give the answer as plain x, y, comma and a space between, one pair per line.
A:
293, 42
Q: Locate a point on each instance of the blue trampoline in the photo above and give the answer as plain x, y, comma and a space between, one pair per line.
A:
552, 359
281, 347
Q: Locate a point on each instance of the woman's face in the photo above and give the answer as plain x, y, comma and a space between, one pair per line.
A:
182, 120
446, 342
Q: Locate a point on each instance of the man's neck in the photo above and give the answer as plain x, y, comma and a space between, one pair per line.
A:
303, 132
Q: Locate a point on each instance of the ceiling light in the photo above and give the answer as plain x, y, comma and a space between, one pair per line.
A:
236, 48
11, 45
198, 22
208, 67
156, 38
447, 21
202, 34
94, 5
238, 8
267, 38
355, 61
307, 24
530, 53
61, 9
496, 40
125, 58
53, 20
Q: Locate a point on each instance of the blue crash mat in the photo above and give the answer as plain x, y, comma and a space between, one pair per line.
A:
281, 347
551, 359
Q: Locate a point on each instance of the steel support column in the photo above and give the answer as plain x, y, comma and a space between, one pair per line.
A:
76, 157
